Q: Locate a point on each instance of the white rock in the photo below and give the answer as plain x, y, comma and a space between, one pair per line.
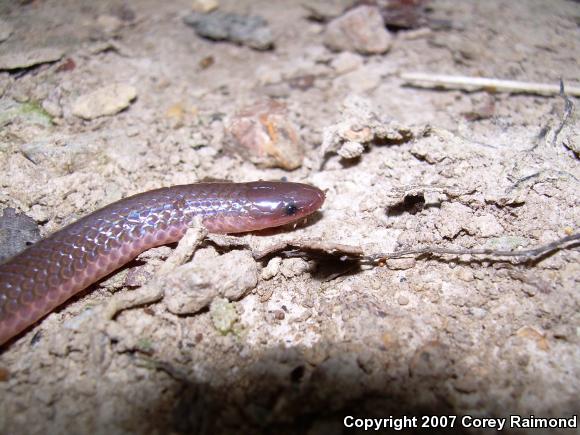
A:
272, 269
107, 100
350, 150
204, 6
346, 62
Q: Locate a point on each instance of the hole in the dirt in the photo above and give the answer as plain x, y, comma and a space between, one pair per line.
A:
412, 204
297, 374
329, 268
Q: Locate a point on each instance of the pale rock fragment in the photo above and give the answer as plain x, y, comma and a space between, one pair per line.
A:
108, 100
272, 269
351, 150
361, 29
204, 6
263, 134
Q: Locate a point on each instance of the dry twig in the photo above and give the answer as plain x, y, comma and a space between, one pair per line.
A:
470, 84
527, 254
347, 252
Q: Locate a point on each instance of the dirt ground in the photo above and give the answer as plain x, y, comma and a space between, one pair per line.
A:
316, 339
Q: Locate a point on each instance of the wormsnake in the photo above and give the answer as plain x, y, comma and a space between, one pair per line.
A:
36, 281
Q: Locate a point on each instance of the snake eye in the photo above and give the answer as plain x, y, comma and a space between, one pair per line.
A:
290, 209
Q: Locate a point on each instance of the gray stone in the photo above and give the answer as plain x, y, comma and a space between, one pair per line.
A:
252, 31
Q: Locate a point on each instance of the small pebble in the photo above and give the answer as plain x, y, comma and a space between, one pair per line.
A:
271, 270
403, 300
351, 150
263, 134
279, 314
108, 100
223, 315
206, 62
252, 31
361, 29
204, 6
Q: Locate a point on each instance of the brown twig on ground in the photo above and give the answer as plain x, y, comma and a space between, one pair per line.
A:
470, 84
528, 254
347, 252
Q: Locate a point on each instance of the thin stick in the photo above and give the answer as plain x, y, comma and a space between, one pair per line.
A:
527, 253
471, 84
348, 252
